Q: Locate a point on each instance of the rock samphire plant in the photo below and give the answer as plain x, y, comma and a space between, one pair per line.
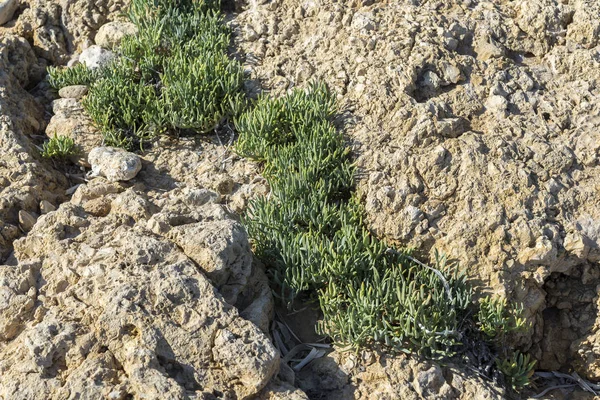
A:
310, 233
173, 76
59, 147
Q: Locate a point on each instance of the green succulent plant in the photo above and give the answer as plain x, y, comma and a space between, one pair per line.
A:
59, 77
518, 370
311, 234
59, 147
496, 318
174, 76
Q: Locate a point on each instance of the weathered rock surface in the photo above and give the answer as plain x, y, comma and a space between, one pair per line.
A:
110, 35
62, 27
340, 376
70, 120
24, 179
204, 163
73, 92
476, 129
477, 133
114, 164
7, 10
100, 306
95, 57
115, 294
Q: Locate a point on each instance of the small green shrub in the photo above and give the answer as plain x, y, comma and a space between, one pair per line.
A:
59, 147
78, 75
496, 318
174, 76
310, 233
517, 370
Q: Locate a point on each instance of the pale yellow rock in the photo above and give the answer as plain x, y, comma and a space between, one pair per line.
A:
111, 34
26, 220
114, 164
523, 163
73, 92
46, 207
126, 305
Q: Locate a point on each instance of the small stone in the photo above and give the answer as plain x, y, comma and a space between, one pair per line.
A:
110, 35
428, 383
496, 104
431, 80
66, 105
414, 214
73, 92
450, 127
73, 61
114, 164
95, 57
451, 74
7, 10
225, 185
250, 34
577, 244
27, 220
46, 207
487, 50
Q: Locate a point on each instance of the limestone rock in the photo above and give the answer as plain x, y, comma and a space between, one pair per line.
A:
46, 207
114, 164
367, 375
62, 27
120, 311
95, 57
220, 246
24, 179
26, 220
109, 35
277, 390
7, 9
73, 92
431, 383
585, 27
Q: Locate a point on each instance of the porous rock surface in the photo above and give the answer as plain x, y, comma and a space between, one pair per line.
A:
7, 10
59, 28
369, 375
474, 124
477, 133
114, 164
100, 304
107, 294
25, 180
95, 57
110, 35
69, 119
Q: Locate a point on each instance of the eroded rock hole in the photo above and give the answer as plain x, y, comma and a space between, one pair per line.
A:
569, 317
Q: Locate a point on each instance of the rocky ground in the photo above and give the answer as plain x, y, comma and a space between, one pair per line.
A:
477, 131
476, 128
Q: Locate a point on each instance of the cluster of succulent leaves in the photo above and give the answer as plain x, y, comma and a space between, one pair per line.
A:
173, 76
497, 318
59, 147
517, 370
76, 75
311, 234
